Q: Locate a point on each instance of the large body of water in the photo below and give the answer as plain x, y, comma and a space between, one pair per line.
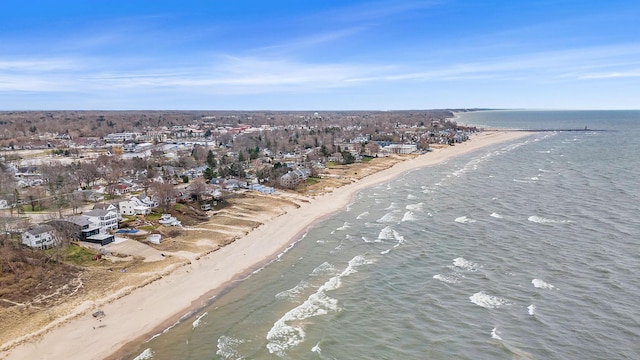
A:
525, 250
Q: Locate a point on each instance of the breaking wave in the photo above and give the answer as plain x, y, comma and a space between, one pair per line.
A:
464, 220
540, 284
487, 301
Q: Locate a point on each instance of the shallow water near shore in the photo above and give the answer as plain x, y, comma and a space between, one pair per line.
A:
525, 250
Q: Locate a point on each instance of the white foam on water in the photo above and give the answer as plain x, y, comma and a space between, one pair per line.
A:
288, 331
541, 284
386, 234
363, 215
391, 206
391, 217
411, 197
316, 348
415, 207
541, 220
228, 347
146, 354
464, 220
532, 309
344, 226
296, 290
385, 252
535, 178
324, 268
378, 201
497, 216
446, 279
495, 334
523, 181
197, 321
408, 216
465, 264
487, 301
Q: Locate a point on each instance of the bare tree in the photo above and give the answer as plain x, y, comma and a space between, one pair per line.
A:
197, 188
165, 194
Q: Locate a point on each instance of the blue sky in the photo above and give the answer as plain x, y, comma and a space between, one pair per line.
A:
319, 55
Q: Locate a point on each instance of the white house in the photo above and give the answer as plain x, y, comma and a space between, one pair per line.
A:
41, 236
107, 206
135, 206
105, 219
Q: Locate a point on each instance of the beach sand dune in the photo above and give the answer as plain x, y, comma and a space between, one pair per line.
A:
150, 308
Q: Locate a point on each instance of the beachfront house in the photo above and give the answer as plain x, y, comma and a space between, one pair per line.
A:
137, 206
104, 219
40, 237
108, 206
81, 228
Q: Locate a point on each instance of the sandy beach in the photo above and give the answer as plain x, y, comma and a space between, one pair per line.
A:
149, 309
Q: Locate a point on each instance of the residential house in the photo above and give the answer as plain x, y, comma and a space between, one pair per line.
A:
105, 219
41, 237
107, 206
137, 206
83, 229
294, 177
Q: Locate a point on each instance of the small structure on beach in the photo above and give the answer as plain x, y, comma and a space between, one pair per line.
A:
168, 220
154, 238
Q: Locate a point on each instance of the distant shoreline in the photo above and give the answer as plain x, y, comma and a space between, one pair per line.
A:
148, 310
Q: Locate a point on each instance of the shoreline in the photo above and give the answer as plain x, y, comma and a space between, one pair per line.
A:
150, 309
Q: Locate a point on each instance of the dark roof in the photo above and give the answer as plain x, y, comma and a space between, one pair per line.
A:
78, 220
40, 229
96, 212
103, 206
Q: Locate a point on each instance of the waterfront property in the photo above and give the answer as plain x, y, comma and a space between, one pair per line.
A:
41, 237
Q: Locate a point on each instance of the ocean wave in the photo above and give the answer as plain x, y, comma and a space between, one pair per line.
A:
296, 290
344, 226
532, 309
363, 215
497, 216
541, 220
415, 207
487, 301
391, 206
411, 197
465, 264
408, 216
145, 355
324, 268
197, 321
495, 334
288, 331
540, 284
391, 217
464, 220
228, 347
386, 234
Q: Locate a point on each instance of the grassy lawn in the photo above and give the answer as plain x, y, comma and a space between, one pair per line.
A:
79, 255
153, 217
311, 181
